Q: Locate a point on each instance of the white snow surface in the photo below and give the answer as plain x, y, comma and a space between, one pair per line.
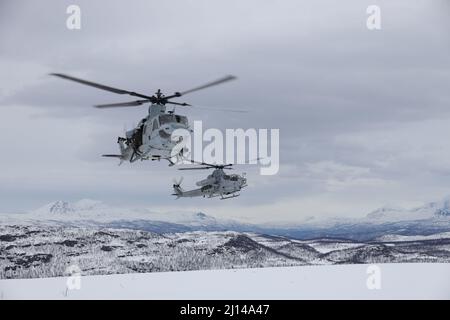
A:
398, 281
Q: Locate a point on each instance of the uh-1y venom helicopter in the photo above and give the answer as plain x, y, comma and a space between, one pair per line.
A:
151, 139
218, 183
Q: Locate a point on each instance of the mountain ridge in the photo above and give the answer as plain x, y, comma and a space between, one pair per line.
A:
88, 208
430, 218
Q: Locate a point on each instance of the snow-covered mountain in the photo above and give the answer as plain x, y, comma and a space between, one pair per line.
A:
103, 240
428, 219
82, 209
386, 212
435, 209
85, 208
429, 210
97, 211
431, 218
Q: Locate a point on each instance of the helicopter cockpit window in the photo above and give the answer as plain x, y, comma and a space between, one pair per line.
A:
204, 188
181, 119
163, 134
167, 118
234, 178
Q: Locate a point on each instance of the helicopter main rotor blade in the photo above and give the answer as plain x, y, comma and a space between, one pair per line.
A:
210, 84
122, 104
101, 86
197, 162
209, 165
219, 109
184, 104
204, 168
207, 85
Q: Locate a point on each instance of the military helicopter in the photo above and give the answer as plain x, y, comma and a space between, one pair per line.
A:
218, 183
151, 138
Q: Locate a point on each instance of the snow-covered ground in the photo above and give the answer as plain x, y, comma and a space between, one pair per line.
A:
108, 244
40, 251
397, 281
429, 219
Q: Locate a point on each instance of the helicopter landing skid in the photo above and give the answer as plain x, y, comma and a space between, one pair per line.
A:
159, 158
235, 195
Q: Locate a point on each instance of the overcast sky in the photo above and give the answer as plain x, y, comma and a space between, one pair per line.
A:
364, 116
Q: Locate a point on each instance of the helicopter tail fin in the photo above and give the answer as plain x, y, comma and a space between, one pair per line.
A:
122, 147
177, 189
124, 154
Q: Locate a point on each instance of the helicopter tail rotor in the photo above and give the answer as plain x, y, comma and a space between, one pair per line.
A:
177, 183
176, 188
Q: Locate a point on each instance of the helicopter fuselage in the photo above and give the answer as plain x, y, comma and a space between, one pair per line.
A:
216, 184
152, 137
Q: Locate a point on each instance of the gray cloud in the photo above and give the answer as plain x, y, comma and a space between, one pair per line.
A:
347, 100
